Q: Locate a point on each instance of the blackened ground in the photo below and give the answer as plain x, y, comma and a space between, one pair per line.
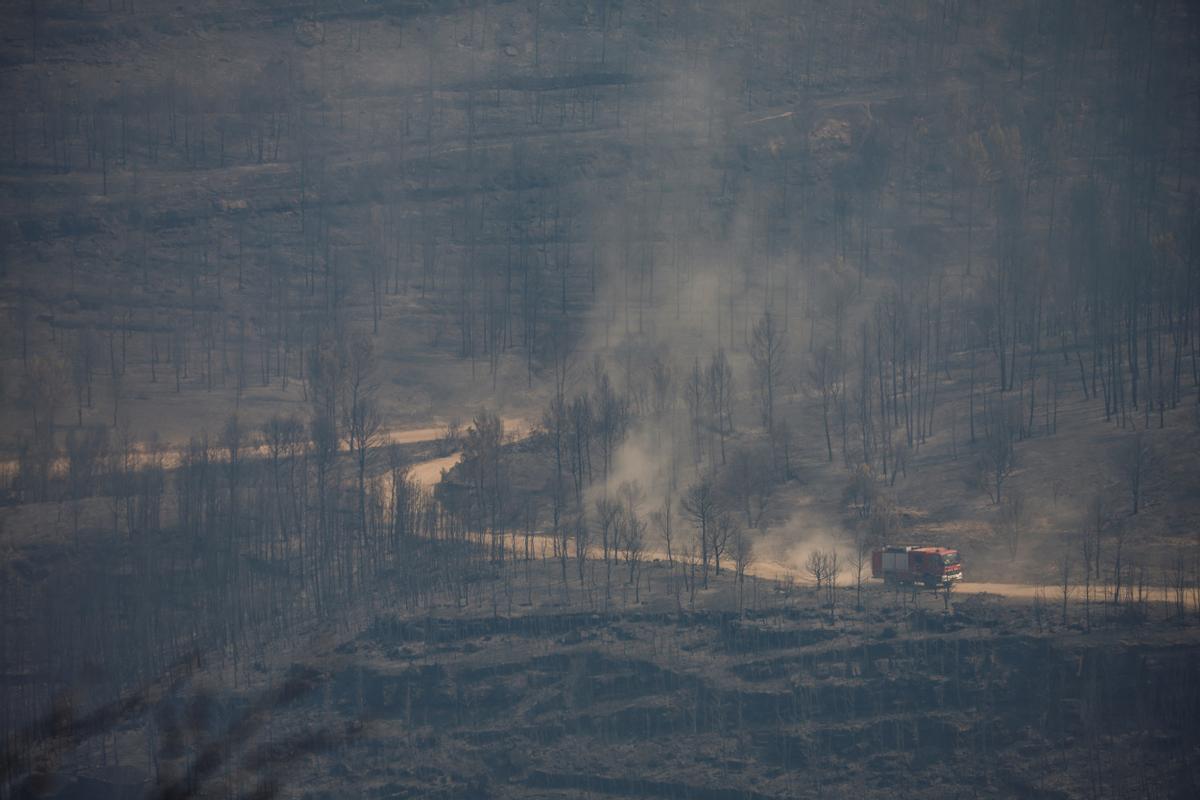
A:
500, 698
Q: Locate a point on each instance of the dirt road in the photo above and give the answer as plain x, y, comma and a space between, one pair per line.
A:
427, 474
169, 455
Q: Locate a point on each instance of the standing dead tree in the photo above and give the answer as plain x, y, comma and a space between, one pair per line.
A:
860, 556
42, 389
823, 376
997, 454
608, 524
720, 396
361, 425
633, 535
661, 520
767, 349
693, 395
816, 565
832, 569
722, 535
1014, 517
743, 557
555, 423
701, 505
583, 540
824, 567
612, 416
747, 483
1136, 459
483, 450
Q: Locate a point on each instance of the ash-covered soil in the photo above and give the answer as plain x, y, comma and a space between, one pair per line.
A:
521, 692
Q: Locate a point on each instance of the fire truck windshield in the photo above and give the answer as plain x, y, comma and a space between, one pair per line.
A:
951, 558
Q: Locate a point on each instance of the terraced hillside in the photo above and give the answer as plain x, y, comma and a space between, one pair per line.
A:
514, 701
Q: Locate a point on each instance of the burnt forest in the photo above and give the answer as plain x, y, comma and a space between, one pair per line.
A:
676, 399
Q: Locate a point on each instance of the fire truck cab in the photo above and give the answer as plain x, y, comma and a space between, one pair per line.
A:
932, 567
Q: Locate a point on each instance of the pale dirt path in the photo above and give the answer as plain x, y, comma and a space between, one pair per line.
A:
774, 570
542, 545
428, 474
1018, 591
169, 455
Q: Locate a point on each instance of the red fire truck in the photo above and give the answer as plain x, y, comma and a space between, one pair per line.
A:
932, 567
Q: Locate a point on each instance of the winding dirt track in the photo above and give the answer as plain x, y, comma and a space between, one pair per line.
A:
772, 570
1021, 591
169, 455
428, 473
